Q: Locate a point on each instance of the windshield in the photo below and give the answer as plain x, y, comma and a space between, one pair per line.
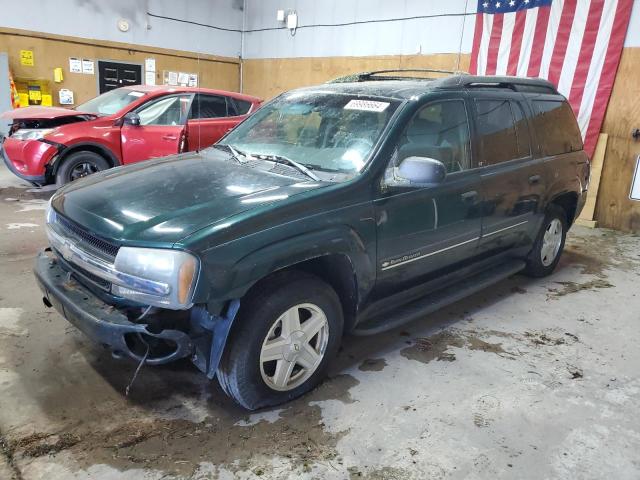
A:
110, 102
325, 132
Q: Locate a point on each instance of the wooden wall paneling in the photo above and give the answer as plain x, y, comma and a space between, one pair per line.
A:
586, 217
51, 51
614, 209
269, 77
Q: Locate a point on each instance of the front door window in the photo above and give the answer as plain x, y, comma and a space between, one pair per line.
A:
166, 111
439, 131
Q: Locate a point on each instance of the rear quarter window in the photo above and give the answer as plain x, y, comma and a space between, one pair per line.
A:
556, 127
241, 106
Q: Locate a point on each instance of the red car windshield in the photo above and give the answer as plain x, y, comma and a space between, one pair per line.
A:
110, 102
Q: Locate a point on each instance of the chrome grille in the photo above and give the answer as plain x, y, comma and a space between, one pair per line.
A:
99, 245
81, 274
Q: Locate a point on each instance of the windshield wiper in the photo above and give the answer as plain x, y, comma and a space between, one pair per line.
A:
292, 163
235, 153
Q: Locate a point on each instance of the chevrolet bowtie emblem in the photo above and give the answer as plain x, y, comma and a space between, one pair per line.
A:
66, 251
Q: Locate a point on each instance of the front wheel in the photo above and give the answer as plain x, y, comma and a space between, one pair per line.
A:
549, 243
283, 341
78, 165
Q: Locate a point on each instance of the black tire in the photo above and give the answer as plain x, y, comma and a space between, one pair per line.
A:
239, 372
80, 164
536, 266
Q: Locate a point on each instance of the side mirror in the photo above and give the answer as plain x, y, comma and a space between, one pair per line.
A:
131, 118
418, 172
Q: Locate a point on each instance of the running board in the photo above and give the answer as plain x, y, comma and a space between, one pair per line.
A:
440, 298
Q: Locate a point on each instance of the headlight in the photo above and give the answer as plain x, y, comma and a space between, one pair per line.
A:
49, 214
174, 271
31, 133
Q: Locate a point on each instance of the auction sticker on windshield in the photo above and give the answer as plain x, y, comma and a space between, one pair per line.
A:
366, 105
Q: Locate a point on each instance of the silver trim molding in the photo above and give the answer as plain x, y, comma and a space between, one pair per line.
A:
388, 267
505, 228
99, 267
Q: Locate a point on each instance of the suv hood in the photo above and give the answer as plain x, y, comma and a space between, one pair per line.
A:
42, 117
168, 199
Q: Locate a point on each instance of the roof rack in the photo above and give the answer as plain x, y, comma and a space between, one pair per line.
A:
377, 75
456, 80
518, 84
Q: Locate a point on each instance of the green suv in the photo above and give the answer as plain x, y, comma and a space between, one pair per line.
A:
350, 207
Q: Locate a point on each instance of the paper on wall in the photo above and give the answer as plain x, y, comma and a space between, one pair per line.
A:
88, 66
183, 79
635, 182
150, 65
150, 78
193, 80
26, 58
65, 97
173, 78
75, 65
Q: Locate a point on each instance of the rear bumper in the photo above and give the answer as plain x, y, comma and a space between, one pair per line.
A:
582, 200
98, 320
27, 159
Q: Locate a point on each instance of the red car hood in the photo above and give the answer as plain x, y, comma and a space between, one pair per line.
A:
45, 113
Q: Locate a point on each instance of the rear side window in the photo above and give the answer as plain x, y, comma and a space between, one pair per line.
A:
556, 127
208, 106
522, 131
242, 107
496, 127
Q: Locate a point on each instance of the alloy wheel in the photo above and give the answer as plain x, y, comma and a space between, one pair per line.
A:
82, 170
551, 242
294, 347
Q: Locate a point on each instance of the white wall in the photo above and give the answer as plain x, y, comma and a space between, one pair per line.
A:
427, 35
431, 35
97, 19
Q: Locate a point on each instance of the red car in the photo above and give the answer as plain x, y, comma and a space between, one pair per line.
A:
125, 125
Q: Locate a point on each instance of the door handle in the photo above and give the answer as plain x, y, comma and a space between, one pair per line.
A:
533, 179
469, 196
169, 137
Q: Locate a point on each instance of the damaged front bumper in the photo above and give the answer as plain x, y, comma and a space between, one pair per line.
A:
196, 334
27, 159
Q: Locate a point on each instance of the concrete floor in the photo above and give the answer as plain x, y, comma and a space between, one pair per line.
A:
529, 379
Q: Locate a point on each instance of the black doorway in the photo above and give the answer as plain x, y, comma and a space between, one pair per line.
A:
115, 75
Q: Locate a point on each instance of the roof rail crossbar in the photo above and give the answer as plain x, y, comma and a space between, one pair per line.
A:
513, 83
378, 75
512, 86
414, 70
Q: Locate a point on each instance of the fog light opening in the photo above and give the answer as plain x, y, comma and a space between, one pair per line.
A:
158, 347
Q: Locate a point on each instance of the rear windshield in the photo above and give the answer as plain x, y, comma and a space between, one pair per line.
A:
556, 126
110, 102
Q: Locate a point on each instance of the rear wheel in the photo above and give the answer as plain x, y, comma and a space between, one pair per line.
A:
549, 244
283, 341
79, 165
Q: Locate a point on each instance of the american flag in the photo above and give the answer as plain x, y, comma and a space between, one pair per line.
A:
575, 44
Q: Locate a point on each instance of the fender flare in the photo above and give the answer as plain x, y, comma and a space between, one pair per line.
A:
64, 151
293, 250
572, 185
